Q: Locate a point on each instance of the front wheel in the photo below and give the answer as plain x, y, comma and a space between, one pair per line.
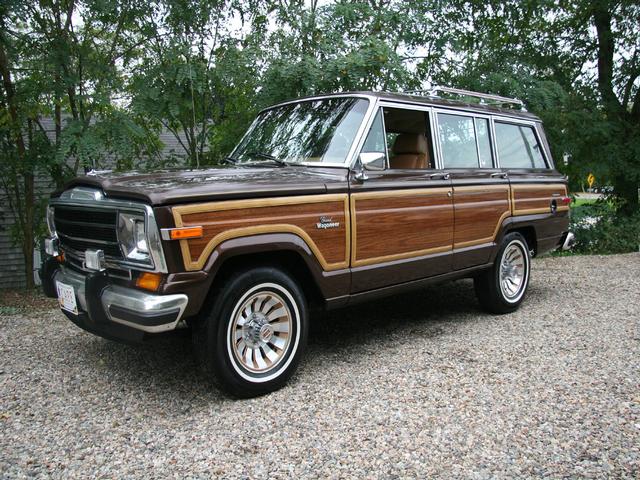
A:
502, 288
256, 331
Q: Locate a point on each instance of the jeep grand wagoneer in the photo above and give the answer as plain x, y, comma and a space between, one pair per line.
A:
329, 200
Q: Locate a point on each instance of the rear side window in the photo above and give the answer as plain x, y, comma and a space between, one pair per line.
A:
518, 146
464, 141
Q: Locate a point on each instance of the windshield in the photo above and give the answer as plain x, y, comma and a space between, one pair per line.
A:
318, 131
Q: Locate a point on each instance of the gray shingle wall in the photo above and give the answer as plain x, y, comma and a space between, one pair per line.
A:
11, 258
11, 261
12, 273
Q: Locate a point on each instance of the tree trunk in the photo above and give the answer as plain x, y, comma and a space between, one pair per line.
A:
11, 100
28, 240
28, 235
625, 185
26, 171
627, 190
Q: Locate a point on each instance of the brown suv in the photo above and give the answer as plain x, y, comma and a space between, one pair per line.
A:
329, 201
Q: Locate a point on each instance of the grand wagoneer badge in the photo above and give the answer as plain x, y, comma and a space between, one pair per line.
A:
327, 222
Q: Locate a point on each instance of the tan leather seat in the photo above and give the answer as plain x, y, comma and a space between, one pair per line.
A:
410, 150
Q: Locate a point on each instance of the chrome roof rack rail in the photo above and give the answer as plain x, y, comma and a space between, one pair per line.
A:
485, 98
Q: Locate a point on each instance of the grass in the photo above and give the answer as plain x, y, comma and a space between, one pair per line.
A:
577, 202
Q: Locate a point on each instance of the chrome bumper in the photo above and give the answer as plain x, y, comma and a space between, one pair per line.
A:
569, 241
128, 306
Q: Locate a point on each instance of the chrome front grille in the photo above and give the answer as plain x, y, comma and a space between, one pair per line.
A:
83, 228
77, 264
83, 218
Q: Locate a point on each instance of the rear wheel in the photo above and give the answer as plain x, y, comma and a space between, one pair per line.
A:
256, 331
502, 288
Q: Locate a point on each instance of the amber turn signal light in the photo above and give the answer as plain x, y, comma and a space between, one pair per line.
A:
149, 281
181, 233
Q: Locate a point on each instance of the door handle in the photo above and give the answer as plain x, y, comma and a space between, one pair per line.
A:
500, 174
443, 176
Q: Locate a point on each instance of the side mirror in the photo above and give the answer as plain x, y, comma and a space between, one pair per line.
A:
373, 160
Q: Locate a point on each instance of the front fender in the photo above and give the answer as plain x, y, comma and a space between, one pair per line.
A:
196, 284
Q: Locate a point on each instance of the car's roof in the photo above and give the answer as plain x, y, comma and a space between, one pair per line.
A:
417, 99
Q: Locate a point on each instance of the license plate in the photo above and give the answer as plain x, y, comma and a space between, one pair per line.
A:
67, 297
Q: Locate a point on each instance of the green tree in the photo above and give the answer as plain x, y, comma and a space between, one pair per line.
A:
64, 59
112, 74
197, 78
575, 63
346, 46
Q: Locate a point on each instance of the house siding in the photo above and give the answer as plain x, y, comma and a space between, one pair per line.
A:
10, 256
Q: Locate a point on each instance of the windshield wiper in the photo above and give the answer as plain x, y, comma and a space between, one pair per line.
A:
268, 156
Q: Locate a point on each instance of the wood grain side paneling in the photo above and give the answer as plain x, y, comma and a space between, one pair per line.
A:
478, 213
528, 199
300, 215
400, 224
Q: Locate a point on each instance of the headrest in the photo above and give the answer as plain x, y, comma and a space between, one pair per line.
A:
410, 143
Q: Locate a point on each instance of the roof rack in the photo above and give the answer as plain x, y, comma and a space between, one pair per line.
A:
485, 98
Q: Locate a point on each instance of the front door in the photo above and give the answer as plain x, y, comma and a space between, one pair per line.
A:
402, 216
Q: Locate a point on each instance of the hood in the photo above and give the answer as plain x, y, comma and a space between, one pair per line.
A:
183, 186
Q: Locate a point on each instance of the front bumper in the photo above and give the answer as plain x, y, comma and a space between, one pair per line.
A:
113, 311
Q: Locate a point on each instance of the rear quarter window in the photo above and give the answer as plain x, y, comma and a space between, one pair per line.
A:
518, 146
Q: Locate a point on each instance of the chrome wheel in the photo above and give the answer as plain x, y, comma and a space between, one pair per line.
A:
262, 329
514, 270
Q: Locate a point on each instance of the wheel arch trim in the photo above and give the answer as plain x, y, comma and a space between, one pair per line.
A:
261, 243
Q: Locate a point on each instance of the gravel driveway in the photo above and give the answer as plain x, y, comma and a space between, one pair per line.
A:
421, 385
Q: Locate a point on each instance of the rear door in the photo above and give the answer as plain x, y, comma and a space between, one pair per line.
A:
481, 194
537, 189
402, 218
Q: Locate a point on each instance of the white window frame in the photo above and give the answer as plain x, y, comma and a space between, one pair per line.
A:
382, 104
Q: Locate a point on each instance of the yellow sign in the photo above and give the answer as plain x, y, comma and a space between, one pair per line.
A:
591, 179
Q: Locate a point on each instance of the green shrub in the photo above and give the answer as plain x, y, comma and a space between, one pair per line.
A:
600, 230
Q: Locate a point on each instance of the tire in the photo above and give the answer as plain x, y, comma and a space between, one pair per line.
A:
254, 334
503, 287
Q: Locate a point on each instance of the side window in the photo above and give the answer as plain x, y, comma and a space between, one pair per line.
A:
518, 147
464, 141
408, 139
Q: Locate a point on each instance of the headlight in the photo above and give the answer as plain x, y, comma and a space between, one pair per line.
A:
50, 223
132, 235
